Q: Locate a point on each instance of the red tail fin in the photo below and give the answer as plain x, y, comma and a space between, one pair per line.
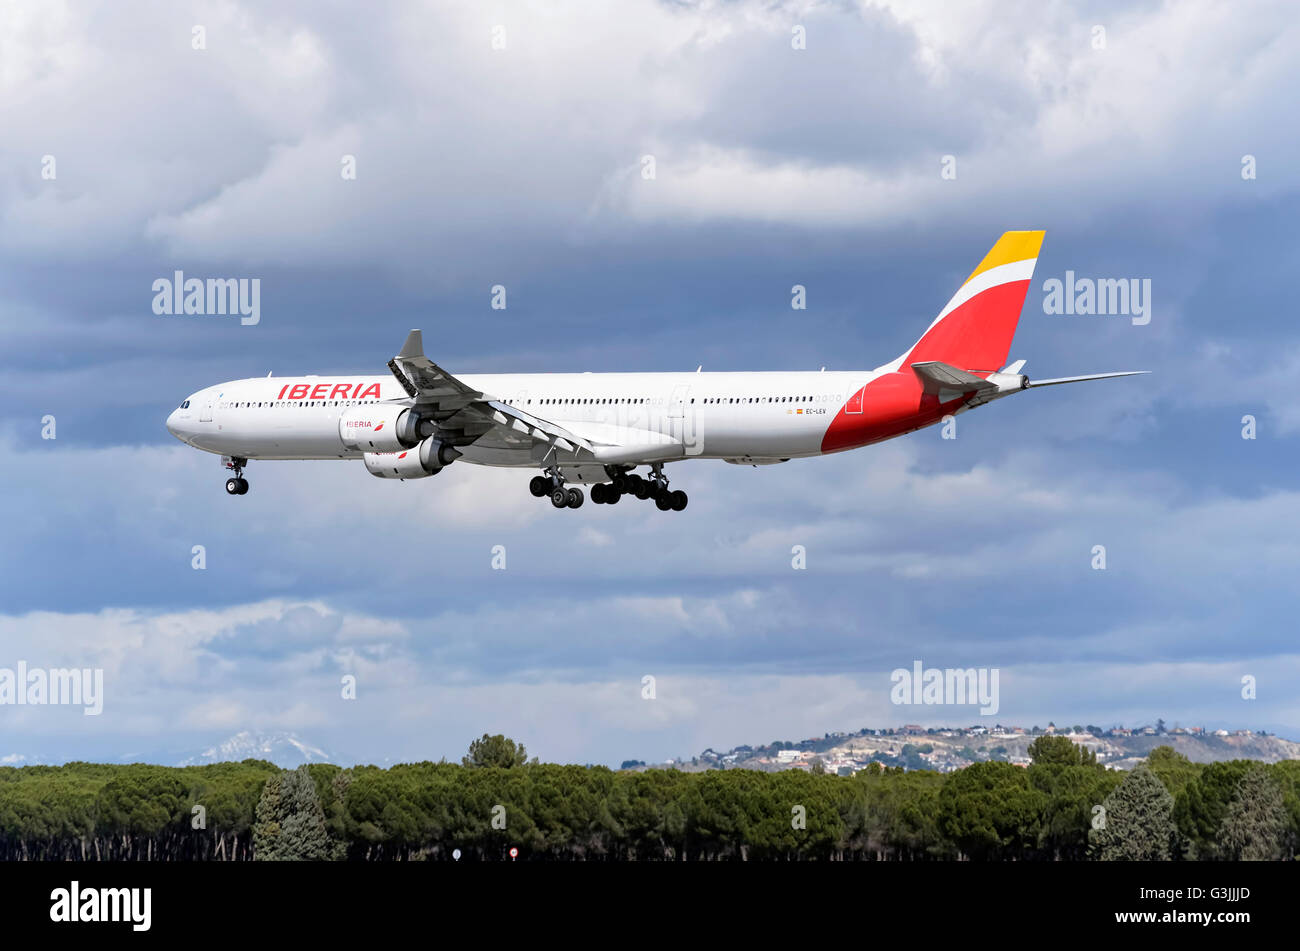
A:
974, 331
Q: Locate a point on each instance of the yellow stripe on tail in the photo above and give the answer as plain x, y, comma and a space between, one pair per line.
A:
1012, 246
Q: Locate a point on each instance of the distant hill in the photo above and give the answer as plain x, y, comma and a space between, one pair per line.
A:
946, 749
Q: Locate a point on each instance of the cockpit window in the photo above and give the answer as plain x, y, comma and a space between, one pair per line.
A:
185, 405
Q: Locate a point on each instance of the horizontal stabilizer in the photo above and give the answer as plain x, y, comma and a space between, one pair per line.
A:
1080, 379
937, 376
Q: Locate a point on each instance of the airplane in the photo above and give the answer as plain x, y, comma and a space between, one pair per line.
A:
596, 429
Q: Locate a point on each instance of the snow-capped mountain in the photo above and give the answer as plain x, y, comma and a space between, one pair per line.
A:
287, 750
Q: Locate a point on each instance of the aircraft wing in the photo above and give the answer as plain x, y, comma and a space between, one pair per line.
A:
470, 415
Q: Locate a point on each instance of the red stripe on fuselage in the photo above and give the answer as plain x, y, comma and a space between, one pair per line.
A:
975, 337
892, 404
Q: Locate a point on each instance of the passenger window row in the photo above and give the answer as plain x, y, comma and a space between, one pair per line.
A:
605, 401
274, 404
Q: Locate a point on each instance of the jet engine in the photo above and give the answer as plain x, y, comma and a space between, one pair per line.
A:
429, 458
381, 427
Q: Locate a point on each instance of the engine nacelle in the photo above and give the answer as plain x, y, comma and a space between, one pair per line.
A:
429, 458
379, 427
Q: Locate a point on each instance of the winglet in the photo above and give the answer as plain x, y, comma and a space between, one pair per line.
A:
413, 349
414, 346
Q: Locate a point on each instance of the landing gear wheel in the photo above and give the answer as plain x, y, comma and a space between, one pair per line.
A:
539, 486
575, 498
677, 500
560, 497
662, 503
599, 493
612, 495
620, 484
236, 484
643, 489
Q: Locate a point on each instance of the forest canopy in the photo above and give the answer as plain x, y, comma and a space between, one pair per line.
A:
1063, 806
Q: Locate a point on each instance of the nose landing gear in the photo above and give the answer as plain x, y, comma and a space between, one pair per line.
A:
237, 485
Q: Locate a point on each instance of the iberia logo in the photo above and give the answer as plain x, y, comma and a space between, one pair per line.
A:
401, 455
379, 427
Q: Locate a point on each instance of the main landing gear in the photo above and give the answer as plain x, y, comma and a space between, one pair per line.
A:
622, 482
237, 485
552, 485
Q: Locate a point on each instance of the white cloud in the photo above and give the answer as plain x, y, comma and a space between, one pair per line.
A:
457, 144
407, 708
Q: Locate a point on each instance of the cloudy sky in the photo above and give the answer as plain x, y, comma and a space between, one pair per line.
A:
1122, 130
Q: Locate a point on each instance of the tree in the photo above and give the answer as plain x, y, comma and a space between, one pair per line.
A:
137, 806
266, 829
1255, 825
990, 811
1137, 822
495, 751
1060, 750
1172, 768
1205, 803
290, 822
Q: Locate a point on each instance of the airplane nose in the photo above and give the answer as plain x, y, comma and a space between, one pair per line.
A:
173, 425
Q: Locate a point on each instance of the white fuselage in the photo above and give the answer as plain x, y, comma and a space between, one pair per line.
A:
744, 417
